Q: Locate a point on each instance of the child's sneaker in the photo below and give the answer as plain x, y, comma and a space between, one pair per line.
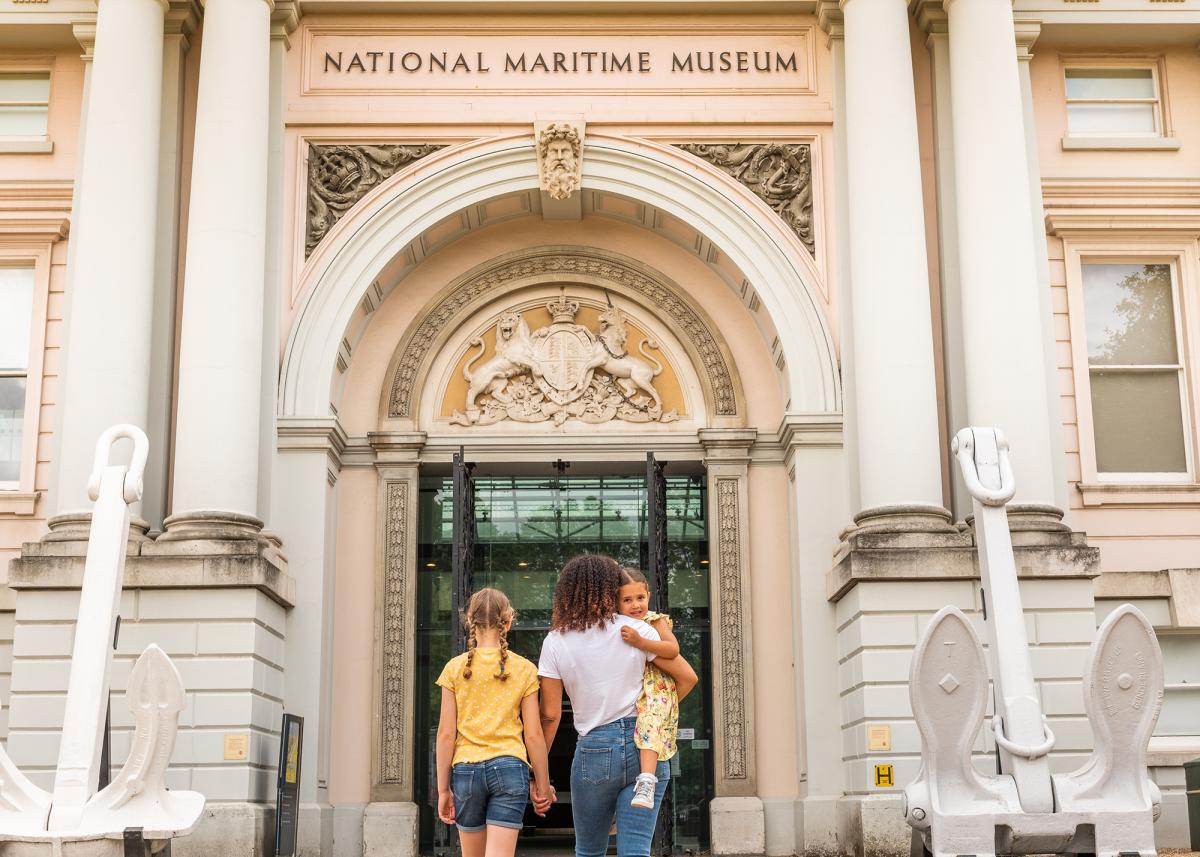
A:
643, 791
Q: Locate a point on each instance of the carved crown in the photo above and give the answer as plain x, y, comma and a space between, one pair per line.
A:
563, 309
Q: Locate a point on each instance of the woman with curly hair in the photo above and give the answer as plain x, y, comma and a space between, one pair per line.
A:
585, 655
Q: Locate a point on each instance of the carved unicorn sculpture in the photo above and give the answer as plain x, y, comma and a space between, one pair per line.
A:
1105, 808
33, 821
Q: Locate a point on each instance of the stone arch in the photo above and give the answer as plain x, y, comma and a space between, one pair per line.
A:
705, 346
343, 270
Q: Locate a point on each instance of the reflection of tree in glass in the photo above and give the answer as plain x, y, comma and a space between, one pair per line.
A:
1147, 331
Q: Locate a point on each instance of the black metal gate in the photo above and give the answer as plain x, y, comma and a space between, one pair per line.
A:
462, 556
656, 568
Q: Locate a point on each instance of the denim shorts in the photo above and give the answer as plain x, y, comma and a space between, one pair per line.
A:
494, 792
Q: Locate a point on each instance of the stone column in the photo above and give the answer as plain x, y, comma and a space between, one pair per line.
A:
1001, 309
220, 355
1027, 33
113, 237
181, 21
895, 397
737, 818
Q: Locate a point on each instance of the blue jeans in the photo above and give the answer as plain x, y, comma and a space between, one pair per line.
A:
490, 793
602, 777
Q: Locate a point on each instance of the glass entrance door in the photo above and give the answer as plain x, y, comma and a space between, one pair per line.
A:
525, 529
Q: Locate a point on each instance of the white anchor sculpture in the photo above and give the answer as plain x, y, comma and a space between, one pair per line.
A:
1105, 808
75, 819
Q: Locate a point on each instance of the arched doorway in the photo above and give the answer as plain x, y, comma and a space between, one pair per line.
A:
393, 306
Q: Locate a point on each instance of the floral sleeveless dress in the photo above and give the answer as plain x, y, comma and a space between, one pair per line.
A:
657, 708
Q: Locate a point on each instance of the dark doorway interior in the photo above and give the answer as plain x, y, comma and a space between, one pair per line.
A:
526, 527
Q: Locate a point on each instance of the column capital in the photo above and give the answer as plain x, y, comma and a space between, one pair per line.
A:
831, 20
285, 18
931, 18
183, 17
84, 31
1027, 31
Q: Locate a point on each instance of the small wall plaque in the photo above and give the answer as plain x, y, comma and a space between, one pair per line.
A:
236, 747
879, 738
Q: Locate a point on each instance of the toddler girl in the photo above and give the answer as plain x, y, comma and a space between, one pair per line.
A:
490, 735
658, 704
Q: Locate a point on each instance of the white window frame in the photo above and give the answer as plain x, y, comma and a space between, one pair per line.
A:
1162, 138
37, 143
1181, 256
39, 260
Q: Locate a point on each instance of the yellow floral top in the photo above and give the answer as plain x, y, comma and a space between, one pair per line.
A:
489, 710
657, 707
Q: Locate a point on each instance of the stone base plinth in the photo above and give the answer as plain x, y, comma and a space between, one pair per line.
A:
738, 825
243, 829
390, 830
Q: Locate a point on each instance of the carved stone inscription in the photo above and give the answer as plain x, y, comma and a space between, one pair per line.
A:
395, 668
339, 176
733, 677
780, 174
563, 371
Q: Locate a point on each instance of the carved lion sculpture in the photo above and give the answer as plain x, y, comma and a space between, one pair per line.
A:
514, 355
609, 355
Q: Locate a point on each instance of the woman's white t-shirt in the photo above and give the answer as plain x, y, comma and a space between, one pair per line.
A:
601, 673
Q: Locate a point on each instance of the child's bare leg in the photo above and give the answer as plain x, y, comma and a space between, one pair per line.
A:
649, 761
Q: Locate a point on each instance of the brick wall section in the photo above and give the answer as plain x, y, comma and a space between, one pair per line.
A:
228, 645
878, 627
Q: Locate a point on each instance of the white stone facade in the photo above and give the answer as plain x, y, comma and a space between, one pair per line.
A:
267, 234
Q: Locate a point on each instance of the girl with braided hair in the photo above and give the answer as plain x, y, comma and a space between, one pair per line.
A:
490, 735
585, 656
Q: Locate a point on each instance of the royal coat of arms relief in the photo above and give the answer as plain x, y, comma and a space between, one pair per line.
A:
563, 371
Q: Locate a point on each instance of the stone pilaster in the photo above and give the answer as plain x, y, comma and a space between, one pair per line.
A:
738, 824
390, 820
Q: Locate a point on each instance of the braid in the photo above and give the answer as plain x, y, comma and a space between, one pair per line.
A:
470, 652
502, 675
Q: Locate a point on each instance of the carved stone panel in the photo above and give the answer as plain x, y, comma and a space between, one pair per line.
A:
395, 672
780, 174
564, 371
732, 629
476, 285
339, 176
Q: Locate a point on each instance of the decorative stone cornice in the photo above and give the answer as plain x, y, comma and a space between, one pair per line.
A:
35, 209
285, 18
183, 19
340, 175
780, 174
810, 430
931, 17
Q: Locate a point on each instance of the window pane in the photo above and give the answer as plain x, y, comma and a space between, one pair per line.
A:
1180, 712
1114, 118
1110, 83
22, 121
1130, 314
12, 419
16, 316
1181, 660
25, 86
1138, 422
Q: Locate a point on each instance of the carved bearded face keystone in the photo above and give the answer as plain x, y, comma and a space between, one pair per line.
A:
558, 151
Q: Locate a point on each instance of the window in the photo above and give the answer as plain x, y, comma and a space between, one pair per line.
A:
1113, 101
1181, 693
1135, 369
24, 104
16, 322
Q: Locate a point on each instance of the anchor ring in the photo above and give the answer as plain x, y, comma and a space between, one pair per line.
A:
1035, 752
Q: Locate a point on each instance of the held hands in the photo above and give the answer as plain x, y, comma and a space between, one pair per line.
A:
541, 800
632, 637
446, 806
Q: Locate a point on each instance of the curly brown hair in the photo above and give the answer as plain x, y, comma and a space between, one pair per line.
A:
586, 593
